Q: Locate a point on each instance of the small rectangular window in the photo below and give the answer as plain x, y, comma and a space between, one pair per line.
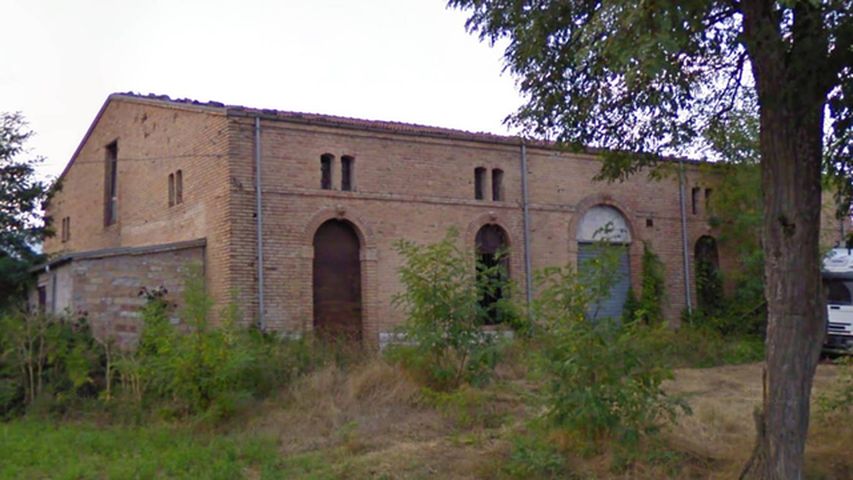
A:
171, 189
708, 193
110, 184
65, 229
497, 184
479, 183
347, 164
695, 200
326, 171
179, 187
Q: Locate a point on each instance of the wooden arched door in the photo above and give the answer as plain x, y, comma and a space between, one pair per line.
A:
337, 282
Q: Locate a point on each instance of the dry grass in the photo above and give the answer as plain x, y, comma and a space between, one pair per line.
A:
721, 431
372, 421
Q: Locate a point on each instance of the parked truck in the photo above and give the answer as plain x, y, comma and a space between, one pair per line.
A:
838, 279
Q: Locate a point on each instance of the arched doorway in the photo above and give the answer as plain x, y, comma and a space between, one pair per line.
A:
337, 281
709, 284
602, 230
492, 260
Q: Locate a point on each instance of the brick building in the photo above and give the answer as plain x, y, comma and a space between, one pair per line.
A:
157, 183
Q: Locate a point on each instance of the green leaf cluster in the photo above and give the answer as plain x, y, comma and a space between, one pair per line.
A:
443, 291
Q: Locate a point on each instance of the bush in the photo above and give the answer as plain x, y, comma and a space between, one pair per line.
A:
446, 344
205, 368
51, 359
604, 379
648, 308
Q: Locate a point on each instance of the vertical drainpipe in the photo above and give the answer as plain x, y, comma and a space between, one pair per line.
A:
259, 220
685, 252
526, 223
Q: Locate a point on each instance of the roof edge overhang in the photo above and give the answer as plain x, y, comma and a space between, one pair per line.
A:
119, 251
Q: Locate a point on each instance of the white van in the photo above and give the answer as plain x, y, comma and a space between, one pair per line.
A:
838, 279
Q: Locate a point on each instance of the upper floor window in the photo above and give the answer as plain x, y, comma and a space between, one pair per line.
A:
65, 230
326, 171
179, 187
347, 170
479, 183
176, 188
110, 184
497, 184
708, 193
694, 197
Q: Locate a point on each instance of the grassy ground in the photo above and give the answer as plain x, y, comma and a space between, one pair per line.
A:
373, 422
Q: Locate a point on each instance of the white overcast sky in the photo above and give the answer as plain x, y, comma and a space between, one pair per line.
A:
401, 60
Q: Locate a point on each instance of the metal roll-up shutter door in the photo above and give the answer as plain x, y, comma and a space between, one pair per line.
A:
610, 307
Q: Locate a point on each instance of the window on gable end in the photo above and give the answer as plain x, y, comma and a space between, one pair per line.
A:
171, 189
179, 187
111, 184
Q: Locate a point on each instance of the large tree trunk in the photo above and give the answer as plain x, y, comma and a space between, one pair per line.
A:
791, 160
791, 98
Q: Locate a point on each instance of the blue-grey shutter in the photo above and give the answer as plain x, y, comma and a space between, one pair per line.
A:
610, 307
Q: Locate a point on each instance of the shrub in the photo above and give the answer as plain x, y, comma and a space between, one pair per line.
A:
604, 380
204, 368
50, 358
648, 308
446, 344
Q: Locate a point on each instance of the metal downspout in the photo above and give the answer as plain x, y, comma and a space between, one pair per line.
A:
685, 251
526, 223
259, 220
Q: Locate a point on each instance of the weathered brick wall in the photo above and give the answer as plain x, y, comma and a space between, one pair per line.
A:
154, 139
414, 188
107, 288
407, 186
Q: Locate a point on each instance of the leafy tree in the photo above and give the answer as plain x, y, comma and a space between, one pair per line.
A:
22, 197
649, 77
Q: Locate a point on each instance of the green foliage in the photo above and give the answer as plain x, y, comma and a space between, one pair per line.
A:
604, 380
648, 308
38, 449
22, 197
699, 345
48, 358
203, 369
442, 298
838, 401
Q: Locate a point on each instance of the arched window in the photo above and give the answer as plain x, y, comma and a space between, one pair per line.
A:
326, 161
709, 284
492, 270
479, 183
497, 184
347, 170
603, 230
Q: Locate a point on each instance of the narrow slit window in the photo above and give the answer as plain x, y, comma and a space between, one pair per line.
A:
708, 193
179, 187
65, 234
326, 171
347, 164
497, 185
110, 184
171, 189
479, 183
695, 200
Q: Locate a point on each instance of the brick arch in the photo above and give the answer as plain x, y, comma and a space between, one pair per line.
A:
635, 248
490, 218
368, 258
365, 234
608, 200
